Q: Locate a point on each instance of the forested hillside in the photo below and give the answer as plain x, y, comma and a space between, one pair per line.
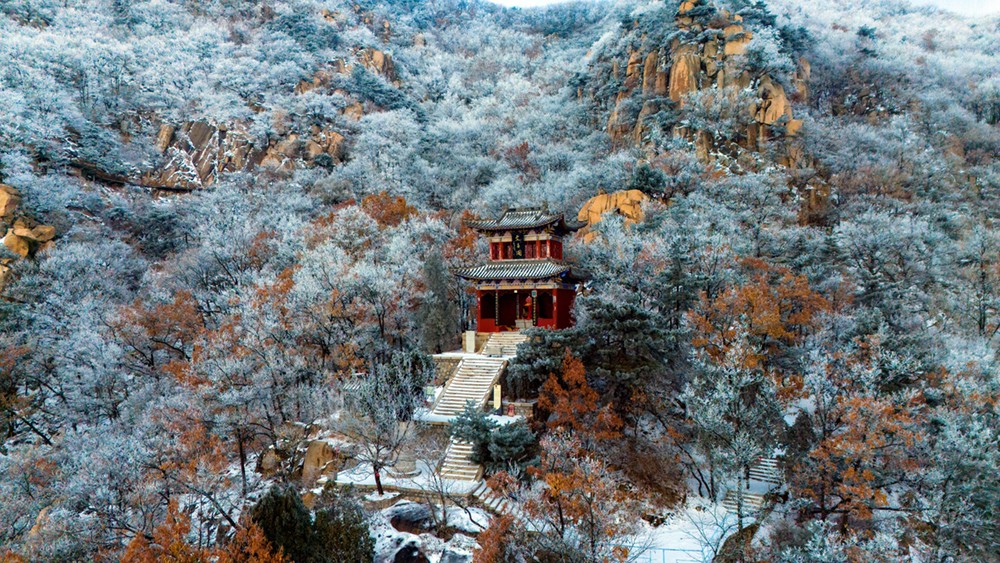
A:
222, 219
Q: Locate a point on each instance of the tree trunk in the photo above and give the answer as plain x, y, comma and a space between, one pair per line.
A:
243, 461
378, 481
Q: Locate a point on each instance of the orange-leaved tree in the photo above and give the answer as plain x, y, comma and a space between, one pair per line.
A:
768, 314
573, 405
169, 543
160, 339
497, 543
249, 545
387, 210
862, 440
585, 510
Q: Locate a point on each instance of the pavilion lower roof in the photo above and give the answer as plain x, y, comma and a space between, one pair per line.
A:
517, 270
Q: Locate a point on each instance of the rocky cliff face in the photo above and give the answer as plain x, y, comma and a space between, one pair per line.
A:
627, 203
705, 62
195, 153
675, 70
23, 236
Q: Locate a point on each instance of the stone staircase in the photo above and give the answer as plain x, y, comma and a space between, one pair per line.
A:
473, 381
503, 344
766, 470
752, 503
457, 465
494, 502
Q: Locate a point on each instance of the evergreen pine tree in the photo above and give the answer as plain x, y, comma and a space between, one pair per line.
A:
286, 523
439, 311
342, 533
513, 445
473, 426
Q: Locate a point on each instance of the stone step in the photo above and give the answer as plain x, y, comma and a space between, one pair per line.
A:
752, 503
457, 465
472, 390
460, 405
503, 344
469, 388
467, 473
496, 503
766, 470
460, 401
473, 381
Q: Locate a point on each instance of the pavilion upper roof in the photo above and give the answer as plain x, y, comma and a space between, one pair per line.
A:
518, 270
524, 218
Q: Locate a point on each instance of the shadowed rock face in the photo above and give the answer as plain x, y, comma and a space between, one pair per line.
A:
410, 554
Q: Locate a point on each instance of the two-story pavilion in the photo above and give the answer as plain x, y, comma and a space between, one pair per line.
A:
525, 283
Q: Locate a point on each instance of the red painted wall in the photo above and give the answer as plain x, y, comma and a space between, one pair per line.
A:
562, 311
564, 307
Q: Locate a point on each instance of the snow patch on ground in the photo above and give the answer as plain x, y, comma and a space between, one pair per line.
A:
692, 533
474, 520
425, 479
390, 541
375, 497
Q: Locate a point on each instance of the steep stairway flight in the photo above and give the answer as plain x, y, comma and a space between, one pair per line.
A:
457, 465
503, 344
473, 381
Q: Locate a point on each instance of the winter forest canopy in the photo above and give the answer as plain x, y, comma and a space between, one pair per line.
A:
228, 228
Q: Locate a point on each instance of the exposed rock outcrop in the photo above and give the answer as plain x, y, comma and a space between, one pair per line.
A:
710, 57
22, 236
378, 62
9, 200
772, 104
195, 153
684, 72
627, 203
320, 456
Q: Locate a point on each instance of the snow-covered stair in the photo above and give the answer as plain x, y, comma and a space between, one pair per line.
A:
752, 502
473, 381
503, 343
766, 470
494, 502
457, 465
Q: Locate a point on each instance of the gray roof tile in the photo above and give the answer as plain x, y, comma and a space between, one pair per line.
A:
515, 270
527, 218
